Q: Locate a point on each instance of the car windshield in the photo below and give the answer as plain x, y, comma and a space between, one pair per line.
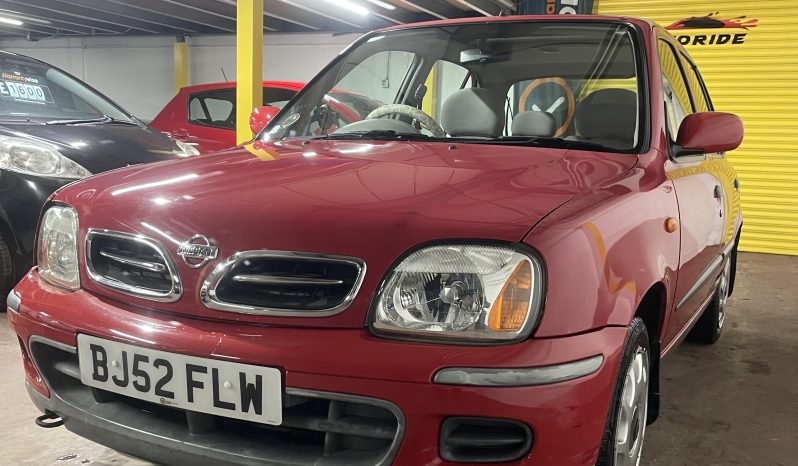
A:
564, 84
32, 89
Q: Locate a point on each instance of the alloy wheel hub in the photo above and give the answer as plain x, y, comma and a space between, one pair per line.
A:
632, 412
723, 293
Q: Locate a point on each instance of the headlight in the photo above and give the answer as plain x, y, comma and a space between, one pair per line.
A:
462, 292
58, 247
37, 158
186, 149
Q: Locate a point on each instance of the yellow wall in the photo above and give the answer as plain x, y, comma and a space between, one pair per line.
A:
758, 80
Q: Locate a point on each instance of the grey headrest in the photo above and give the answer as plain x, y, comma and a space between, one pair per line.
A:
473, 112
607, 114
534, 124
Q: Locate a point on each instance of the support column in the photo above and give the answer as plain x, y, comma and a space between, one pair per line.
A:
430, 103
249, 64
180, 64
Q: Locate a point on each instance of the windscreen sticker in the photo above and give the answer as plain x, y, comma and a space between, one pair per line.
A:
24, 87
291, 119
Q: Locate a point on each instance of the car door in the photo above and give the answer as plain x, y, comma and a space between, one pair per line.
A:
701, 194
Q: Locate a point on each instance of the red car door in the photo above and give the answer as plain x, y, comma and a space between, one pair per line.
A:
701, 196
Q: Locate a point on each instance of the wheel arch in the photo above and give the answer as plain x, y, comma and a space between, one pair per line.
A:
652, 309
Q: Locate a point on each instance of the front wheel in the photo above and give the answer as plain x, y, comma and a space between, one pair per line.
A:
625, 429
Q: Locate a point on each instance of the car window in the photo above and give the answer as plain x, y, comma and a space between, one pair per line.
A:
277, 96
442, 81
31, 89
379, 76
213, 108
424, 68
676, 94
219, 110
216, 108
560, 98
195, 110
359, 106
697, 88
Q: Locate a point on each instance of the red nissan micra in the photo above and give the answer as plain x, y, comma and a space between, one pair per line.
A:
486, 269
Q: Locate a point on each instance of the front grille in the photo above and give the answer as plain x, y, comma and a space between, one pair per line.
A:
132, 264
283, 283
318, 428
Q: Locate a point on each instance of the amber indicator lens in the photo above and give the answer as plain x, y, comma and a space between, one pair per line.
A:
509, 311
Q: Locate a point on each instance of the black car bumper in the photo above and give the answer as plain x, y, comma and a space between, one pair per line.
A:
21, 201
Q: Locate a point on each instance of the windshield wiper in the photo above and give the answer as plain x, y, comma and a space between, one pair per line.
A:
554, 142
105, 119
378, 134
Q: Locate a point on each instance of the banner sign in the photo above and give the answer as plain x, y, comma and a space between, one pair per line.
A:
24, 87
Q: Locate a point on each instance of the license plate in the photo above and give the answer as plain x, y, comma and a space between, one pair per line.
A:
230, 389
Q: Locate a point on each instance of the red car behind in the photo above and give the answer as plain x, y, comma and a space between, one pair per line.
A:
481, 270
204, 115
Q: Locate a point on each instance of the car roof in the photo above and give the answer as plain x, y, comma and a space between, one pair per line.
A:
294, 86
19, 55
494, 19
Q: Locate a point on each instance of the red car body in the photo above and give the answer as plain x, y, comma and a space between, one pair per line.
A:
174, 119
209, 136
610, 228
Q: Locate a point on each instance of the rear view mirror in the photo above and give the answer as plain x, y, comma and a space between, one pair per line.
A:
709, 132
472, 55
260, 117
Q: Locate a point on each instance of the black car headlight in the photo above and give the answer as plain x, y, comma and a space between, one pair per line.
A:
58, 247
38, 158
464, 292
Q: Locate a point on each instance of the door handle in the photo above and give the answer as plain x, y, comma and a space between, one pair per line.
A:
718, 192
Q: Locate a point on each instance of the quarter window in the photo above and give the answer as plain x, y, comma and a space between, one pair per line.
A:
697, 86
678, 103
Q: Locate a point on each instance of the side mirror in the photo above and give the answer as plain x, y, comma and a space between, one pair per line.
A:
260, 117
709, 132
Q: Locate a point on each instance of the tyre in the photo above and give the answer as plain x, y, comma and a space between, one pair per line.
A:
6, 271
710, 325
625, 429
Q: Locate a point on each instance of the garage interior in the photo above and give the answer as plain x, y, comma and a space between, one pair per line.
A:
732, 403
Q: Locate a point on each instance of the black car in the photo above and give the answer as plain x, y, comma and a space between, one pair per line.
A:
55, 129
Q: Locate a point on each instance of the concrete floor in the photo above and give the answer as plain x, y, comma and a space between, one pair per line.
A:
734, 403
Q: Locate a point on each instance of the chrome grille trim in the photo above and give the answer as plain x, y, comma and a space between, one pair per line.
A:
174, 292
210, 299
277, 280
146, 265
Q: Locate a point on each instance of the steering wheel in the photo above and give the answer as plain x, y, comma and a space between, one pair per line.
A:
411, 112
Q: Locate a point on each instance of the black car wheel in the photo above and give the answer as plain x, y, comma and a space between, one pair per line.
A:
625, 429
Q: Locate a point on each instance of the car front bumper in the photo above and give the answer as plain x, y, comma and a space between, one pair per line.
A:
567, 418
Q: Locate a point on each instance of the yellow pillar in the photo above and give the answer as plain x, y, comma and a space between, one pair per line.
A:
430, 103
249, 63
180, 65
